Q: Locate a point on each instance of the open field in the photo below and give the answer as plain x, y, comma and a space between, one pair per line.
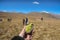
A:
48, 29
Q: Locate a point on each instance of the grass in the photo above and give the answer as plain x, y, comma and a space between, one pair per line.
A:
48, 29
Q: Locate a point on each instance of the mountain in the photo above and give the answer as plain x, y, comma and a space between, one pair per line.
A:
31, 14
9, 14
57, 16
44, 15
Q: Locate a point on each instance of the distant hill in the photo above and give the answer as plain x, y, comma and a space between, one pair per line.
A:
33, 14
57, 16
6, 14
45, 15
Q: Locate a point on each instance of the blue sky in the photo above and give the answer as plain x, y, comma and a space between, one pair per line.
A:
26, 6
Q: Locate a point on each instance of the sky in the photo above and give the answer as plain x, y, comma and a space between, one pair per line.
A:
27, 6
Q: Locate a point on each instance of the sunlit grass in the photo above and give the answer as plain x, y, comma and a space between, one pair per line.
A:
48, 29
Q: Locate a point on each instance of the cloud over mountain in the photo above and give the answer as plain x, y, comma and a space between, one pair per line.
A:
35, 2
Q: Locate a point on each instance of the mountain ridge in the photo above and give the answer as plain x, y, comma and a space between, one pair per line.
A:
33, 14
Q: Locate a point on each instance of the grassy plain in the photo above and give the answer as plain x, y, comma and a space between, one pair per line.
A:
48, 29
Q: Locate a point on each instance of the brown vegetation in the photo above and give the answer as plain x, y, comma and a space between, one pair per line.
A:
48, 29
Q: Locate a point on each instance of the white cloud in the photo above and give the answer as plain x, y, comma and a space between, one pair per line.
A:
45, 11
35, 2
4, 10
